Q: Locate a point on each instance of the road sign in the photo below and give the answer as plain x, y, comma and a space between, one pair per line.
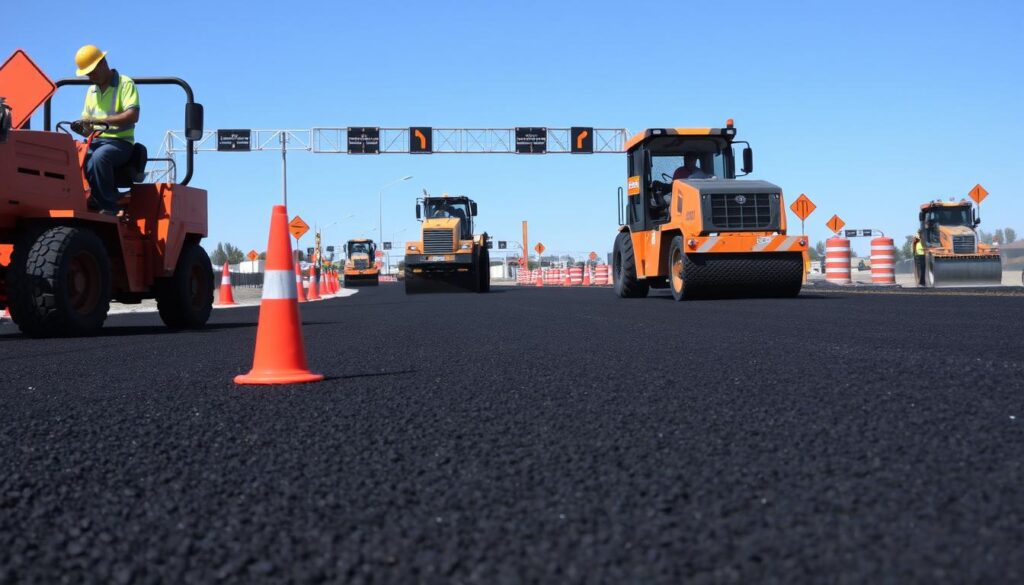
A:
297, 227
234, 140
582, 140
593, 256
851, 233
25, 87
309, 252
835, 224
253, 255
363, 140
531, 140
330, 248
539, 248
502, 245
978, 193
421, 140
379, 254
867, 233
387, 245
490, 244
803, 206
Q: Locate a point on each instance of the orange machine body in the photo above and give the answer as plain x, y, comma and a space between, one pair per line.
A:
741, 223
42, 185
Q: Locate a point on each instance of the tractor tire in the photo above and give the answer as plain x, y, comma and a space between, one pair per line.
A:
186, 298
677, 269
485, 270
59, 283
627, 285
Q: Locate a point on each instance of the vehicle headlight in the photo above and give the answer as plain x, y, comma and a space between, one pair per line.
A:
413, 248
466, 246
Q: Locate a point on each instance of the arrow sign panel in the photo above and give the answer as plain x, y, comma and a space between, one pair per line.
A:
835, 224
978, 193
803, 206
297, 227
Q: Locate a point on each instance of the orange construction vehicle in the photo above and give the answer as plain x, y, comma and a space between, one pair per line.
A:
61, 263
690, 225
947, 250
360, 267
448, 257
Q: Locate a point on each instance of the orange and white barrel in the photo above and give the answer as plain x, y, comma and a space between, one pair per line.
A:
601, 274
576, 276
883, 261
837, 260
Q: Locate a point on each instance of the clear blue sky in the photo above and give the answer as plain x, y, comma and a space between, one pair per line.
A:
869, 107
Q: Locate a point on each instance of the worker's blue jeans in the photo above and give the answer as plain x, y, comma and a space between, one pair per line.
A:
105, 155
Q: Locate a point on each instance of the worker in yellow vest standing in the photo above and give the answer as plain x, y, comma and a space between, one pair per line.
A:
113, 100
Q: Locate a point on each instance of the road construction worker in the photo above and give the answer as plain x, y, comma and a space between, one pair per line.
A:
919, 261
114, 101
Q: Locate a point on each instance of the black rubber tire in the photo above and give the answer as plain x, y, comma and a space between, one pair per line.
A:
627, 285
185, 299
485, 271
677, 285
42, 283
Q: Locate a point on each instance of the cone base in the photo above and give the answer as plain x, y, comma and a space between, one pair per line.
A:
283, 377
231, 304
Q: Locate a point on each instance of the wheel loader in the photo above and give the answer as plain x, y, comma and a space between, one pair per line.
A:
953, 254
360, 267
448, 257
690, 225
60, 262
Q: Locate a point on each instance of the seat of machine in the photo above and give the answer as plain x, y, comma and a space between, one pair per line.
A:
134, 171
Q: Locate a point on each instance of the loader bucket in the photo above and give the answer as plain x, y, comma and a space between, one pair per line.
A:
953, 271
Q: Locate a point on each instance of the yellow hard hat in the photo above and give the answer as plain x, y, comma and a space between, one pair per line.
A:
87, 58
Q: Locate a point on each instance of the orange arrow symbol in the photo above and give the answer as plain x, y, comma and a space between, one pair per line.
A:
423, 139
579, 139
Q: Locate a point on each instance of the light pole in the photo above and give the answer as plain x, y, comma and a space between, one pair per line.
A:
380, 206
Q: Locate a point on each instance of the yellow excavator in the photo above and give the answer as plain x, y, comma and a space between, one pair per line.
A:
948, 251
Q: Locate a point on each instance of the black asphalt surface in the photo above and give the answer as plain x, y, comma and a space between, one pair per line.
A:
528, 435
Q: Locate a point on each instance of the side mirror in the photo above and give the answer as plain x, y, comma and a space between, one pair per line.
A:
472, 208
748, 160
418, 213
193, 121
975, 218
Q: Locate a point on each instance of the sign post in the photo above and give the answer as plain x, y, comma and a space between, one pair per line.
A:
978, 193
298, 228
802, 207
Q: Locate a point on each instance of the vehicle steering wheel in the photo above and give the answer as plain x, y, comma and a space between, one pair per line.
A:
667, 177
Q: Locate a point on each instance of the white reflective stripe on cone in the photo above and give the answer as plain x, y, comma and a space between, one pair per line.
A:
278, 285
225, 280
837, 270
835, 250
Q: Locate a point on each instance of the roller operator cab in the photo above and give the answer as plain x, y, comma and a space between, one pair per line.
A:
448, 257
952, 253
360, 263
688, 224
62, 263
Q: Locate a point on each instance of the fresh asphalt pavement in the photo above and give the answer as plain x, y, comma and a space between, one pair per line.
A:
528, 435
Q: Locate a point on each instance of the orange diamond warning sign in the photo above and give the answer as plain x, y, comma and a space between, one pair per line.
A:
539, 248
297, 227
803, 206
835, 224
978, 193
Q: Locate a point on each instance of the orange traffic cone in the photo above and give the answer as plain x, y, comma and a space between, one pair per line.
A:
568, 281
329, 275
299, 291
280, 356
322, 284
586, 276
540, 278
227, 297
312, 295
335, 287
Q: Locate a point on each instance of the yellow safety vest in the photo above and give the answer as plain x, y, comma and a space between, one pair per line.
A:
918, 249
119, 97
